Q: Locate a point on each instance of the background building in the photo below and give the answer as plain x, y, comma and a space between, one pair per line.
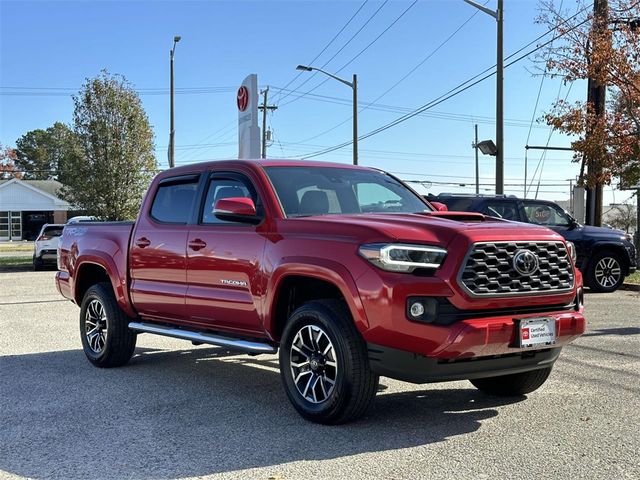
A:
26, 205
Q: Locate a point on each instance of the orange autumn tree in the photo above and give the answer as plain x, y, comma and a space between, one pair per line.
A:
605, 48
8, 168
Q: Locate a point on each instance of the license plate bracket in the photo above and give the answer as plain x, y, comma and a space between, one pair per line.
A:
537, 332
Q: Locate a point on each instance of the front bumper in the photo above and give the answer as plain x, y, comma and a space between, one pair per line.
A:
414, 368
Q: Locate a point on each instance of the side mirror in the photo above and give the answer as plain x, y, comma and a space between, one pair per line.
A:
440, 207
236, 209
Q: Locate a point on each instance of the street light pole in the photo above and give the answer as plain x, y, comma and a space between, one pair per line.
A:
354, 86
498, 15
172, 132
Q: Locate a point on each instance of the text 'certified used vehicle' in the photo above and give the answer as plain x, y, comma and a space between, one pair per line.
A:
344, 271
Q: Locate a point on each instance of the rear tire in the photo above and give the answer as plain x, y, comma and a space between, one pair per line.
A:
107, 340
323, 349
605, 272
37, 264
512, 385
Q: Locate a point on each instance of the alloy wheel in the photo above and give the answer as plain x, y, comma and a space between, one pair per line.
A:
95, 326
314, 367
608, 272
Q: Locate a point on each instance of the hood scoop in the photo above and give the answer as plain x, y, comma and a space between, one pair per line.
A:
459, 216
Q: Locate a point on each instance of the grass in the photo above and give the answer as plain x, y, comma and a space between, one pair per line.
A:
16, 261
10, 247
633, 278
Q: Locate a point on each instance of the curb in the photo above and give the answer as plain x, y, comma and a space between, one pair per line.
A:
635, 287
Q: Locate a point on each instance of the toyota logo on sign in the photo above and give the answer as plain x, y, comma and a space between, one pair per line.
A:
243, 98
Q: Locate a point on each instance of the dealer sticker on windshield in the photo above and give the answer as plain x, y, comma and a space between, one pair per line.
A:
537, 332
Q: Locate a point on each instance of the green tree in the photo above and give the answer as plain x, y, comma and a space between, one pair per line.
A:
41, 153
116, 161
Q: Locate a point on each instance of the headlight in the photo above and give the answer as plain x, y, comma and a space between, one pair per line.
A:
572, 251
628, 237
403, 258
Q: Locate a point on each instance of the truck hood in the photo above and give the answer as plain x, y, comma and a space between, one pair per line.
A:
432, 227
600, 232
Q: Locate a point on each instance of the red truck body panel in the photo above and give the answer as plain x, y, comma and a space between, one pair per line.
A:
231, 281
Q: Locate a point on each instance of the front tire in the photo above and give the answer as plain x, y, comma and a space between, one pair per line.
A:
512, 385
107, 340
605, 273
324, 364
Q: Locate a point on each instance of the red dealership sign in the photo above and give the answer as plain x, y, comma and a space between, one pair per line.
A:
243, 98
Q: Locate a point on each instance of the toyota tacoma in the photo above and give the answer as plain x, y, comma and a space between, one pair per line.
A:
345, 272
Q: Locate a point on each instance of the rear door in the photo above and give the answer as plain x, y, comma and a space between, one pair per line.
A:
224, 261
157, 257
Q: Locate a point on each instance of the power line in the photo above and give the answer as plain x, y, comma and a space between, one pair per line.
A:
328, 44
453, 92
359, 53
341, 48
404, 77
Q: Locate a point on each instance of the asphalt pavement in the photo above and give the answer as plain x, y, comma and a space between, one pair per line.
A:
179, 411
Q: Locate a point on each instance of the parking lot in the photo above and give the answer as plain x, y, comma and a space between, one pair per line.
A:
179, 411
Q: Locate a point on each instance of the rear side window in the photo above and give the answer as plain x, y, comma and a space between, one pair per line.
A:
505, 210
53, 231
173, 202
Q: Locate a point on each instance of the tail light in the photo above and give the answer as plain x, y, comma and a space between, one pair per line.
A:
42, 238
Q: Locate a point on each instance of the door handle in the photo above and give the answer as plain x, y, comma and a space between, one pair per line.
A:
143, 242
197, 244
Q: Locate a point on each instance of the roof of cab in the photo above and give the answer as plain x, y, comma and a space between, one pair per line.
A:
198, 167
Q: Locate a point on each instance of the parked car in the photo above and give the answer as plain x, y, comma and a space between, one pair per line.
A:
46, 246
605, 256
81, 219
344, 270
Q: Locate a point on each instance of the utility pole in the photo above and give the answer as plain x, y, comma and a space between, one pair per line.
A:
354, 86
172, 131
264, 107
475, 145
596, 97
499, 102
498, 15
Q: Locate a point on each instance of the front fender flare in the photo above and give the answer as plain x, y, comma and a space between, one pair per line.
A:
321, 269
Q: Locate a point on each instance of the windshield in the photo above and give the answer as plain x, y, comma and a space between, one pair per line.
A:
305, 191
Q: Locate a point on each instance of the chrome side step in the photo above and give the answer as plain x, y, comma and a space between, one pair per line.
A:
210, 338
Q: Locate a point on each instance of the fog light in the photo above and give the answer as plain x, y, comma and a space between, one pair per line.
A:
417, 309
421, 309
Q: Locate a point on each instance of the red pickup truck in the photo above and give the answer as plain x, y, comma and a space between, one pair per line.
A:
345, 270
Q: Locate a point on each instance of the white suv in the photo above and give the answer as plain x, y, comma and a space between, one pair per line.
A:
46, 246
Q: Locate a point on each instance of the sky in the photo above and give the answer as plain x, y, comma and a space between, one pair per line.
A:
49, 48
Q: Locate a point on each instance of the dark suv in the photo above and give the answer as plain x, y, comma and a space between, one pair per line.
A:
605, 256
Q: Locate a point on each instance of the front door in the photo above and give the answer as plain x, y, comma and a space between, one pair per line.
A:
224, 262
158, 250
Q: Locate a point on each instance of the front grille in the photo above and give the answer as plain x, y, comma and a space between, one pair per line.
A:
489, 271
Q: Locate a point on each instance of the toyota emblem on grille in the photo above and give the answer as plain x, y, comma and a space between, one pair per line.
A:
525, 262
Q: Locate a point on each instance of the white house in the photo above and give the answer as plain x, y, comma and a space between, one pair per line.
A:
25, 205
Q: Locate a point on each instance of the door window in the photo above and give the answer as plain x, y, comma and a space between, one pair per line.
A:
547, 214
173, 202
226, 187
